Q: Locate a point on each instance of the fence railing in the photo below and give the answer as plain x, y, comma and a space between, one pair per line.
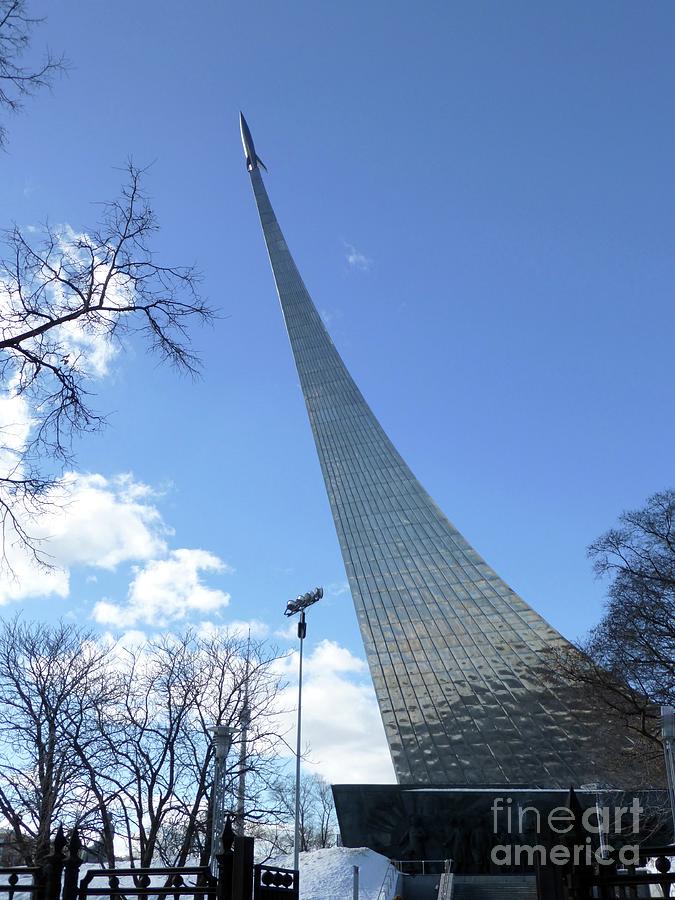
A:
608, 882
12, 881
611, 882
420, 866
273, 883
189, 881
236, 877
390, 882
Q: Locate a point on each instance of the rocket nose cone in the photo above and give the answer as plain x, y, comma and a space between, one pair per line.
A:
244, 132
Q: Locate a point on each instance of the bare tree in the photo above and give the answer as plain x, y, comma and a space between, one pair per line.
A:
627, 661
176, 688
19, 81
113, 740
66, 301
325, 813
238, 676
317, 814
53, 680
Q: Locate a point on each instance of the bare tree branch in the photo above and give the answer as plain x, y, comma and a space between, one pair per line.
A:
19, 81
68, 303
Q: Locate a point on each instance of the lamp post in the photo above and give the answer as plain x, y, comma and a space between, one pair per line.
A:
299, 605
668, 738
221, 738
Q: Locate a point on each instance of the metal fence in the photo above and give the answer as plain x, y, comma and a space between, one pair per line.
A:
236, 878
23, 880
273, 883
612, 883
420, 866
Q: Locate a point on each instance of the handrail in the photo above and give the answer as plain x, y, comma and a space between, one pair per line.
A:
419, 864
391, 874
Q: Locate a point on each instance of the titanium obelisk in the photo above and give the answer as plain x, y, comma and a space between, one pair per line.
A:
458, 659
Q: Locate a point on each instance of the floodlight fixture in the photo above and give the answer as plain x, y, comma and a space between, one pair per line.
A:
303, 601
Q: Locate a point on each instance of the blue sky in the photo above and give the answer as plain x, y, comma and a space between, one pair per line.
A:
479, 196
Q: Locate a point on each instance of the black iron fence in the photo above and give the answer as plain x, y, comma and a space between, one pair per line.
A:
235, 878
652, 875
22, 880
156, 883
272, 883
609, 882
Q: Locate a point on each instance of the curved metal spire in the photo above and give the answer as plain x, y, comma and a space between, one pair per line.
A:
460, 663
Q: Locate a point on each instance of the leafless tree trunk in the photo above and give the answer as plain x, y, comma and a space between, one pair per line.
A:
325, 813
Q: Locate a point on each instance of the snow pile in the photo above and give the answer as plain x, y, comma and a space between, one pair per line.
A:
328, 874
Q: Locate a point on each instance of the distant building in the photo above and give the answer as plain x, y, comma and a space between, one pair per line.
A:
10, 853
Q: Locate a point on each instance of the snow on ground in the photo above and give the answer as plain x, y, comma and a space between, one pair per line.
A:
328, 874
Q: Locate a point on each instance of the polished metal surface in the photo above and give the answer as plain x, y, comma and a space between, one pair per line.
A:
457, 658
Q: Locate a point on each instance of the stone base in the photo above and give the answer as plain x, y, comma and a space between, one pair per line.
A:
413, 822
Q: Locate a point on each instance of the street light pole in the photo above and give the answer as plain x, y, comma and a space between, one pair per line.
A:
302, 632
221, 737
299, 605
668, 738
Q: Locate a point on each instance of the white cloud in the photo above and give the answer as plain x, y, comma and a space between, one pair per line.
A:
90, 521
329, 656
167, 590
237, 627
337, 589
356, 259
330, 315
26, 579
15, 424
289, 632
134, 639
340, 716
101, 522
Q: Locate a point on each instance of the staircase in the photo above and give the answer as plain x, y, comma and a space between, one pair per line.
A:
494, 887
